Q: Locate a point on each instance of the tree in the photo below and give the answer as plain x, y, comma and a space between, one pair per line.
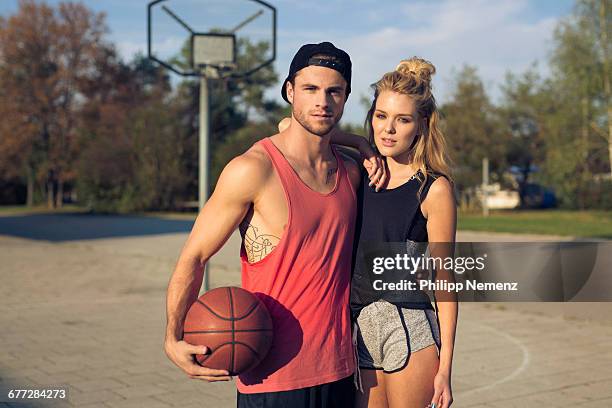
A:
471, 129
522, 118
578, 118
75, 114
604, 47
17, 136
580, 65
132, 149
46, 53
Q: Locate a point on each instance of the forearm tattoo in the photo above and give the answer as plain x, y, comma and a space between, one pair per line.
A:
257, 246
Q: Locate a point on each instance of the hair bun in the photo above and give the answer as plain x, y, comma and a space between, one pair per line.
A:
418, 67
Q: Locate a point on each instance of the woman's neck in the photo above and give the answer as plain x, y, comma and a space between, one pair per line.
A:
401, 167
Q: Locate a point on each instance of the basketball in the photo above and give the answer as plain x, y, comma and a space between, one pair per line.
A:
234, 324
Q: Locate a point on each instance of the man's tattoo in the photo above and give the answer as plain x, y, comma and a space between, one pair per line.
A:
257, 246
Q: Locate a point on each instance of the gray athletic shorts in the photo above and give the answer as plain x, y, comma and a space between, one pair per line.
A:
387, 334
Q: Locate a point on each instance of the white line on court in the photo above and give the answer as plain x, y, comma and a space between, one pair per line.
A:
524, 363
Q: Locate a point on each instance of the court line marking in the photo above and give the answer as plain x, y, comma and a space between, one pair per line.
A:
517, 371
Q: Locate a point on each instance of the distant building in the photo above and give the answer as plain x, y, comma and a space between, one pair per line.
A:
498, 199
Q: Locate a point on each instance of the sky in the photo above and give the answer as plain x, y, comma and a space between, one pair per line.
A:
496, 36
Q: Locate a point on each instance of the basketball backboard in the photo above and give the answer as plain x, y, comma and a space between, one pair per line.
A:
214, 33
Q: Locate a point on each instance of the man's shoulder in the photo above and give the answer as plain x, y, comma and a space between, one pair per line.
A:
255, 158
253, 165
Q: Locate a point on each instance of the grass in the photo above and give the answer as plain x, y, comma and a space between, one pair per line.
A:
592, 224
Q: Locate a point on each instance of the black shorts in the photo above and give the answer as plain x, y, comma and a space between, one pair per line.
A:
337, 394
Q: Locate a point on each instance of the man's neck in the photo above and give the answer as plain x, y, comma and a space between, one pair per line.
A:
306, 147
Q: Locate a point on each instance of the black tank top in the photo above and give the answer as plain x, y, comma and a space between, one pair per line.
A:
388, 222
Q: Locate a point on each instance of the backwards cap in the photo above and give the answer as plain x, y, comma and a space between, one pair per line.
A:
327, 55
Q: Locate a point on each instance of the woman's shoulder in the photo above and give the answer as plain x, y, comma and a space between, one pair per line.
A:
440, 185
439, 190
435, 183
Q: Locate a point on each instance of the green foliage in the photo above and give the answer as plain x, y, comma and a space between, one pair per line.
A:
551, 222
471, 128
106, 171
559, 127
521, 120
129, 141
577, 118
595, 195
131, 150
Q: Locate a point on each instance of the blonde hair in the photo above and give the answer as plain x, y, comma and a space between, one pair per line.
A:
412, 77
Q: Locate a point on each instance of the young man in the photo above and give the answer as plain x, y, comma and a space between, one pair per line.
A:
293, 198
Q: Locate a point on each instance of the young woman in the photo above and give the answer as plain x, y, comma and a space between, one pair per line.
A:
404, 347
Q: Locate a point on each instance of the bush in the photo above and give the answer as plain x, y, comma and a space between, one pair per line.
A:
595, 195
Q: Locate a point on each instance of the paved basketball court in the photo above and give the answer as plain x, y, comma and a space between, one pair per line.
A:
82, 305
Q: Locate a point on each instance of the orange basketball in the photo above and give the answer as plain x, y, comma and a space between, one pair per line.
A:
234, 324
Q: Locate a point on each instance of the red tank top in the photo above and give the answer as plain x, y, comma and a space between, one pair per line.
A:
305, 284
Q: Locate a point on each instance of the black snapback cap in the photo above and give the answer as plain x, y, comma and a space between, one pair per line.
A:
339, 61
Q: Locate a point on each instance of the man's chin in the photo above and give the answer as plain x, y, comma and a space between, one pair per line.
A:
320, 130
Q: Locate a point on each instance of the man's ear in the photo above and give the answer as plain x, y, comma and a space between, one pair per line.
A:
289, 89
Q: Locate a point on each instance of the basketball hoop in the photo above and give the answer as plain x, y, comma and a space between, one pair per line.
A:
212, 53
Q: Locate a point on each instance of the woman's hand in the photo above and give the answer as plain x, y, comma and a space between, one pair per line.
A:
443, 396
374, 165
284, 124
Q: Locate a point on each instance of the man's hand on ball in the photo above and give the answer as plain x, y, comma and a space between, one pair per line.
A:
181, 354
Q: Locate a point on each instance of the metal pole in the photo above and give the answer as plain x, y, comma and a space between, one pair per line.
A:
485, 186
247, 21
204, 162
204, 137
